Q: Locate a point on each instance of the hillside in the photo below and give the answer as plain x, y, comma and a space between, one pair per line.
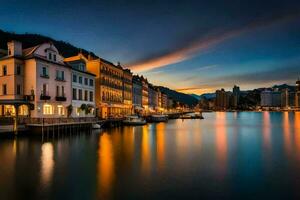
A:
30, 40
180, 97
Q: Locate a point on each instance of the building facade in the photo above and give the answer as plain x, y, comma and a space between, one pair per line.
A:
222, 101
297, 94
145, 94
127, 92
270, 98
164, 101
37, 76
137, 93
83, 88
108, 87
153, 98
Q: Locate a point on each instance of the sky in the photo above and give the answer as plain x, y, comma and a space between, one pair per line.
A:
191, 46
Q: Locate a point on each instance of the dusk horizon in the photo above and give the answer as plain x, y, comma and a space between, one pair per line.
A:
250, 44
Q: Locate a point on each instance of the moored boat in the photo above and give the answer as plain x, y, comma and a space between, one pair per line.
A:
157, 118
134, 120
96, 126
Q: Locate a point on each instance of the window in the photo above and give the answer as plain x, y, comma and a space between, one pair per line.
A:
50, 56
57, 90
60, 75
91, 96
80, 94
47, 109
80, 79
62, 91
74, 94
18, 69
91, 82
85, 95
54, 57
45, 89
74, 78
4, 89
86, 81
4, 70
45, 72
18, 89
60, 110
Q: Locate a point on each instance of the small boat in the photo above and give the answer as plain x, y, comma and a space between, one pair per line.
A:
197, 115
96, 126
186, 116
134, 120
158, 118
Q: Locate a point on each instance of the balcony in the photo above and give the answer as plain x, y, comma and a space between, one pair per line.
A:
29, 97
44, 75
45, 95
61, 98
60, 79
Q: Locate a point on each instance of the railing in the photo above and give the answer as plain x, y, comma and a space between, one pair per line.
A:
60, 120
45, 95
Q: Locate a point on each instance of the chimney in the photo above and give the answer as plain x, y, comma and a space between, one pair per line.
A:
14, 48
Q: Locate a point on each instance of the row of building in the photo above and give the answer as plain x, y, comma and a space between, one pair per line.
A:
281, 98
39, 82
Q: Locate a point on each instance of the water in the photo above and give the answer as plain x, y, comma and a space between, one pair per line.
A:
243, 155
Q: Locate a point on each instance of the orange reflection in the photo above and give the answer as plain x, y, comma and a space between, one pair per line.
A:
160, 141
221, 140
286, 132
146, 154
47, 163
266, 130
297, 130
128, 142
106, 163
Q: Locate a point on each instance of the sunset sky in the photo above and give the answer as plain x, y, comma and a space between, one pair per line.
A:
192, 46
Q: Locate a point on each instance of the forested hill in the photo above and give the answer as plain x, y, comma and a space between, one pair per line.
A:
30, 40
180, 97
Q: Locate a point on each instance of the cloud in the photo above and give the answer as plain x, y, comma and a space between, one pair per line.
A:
203, 44
284, 74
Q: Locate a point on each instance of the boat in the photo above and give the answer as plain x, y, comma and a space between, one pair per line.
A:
96, 126
158, 118
187, 116
134, 120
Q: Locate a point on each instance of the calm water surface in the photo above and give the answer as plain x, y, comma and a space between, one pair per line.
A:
243, 155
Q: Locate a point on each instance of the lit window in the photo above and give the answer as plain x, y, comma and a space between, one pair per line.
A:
60, 110
47, 109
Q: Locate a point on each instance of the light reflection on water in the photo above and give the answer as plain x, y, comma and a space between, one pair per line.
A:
226, 155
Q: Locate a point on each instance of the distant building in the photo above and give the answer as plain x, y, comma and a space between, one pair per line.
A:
164, 101
270, 98
222, 101
153, 97
285, 98
235, 96
297, 94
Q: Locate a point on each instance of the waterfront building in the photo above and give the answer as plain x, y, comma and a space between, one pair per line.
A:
108, 87
297, 94
235, 96
83, 87
145, 94
285, 98
222, 101
34, 80
137, 93
164, 101
270, 98
153, 98
127, 91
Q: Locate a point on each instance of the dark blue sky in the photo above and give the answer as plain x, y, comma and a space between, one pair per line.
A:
194, 45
